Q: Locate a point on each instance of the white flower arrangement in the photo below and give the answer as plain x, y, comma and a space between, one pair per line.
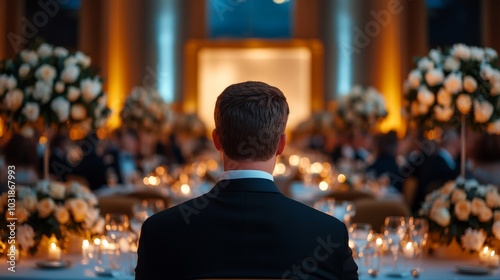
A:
48, 85
463, 211
455, 82
361, 108
52, 208
146, 110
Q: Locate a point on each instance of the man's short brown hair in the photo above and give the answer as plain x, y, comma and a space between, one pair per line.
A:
250, 118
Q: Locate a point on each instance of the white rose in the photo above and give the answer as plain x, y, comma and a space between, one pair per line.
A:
29, 57
451, 64
425, 96
46, 72
30, 202
492, 199
462, 210
44, 50
470, 84
448, 188
485, 214
42, 187
91, 217
42, 91
83, 59
31, 111
8, 82
70, 73
57, 190
414, 78
45, 207
476, 205
78, 112
443, 114
14, 100
99, 226
464, 103
441, 216
22, 214
62, 215
473, 239
453, 83
477, 53
444, 97
24, 70
496, 229
434, 77
487, 72
60, 106
496, 215
425, 64
78, 208
25, 236
60, 52
482, 111
461, 51
73, 93
435, 55
494, 127
495, 88
102, 101
69, 61
90, 88
490, 53
422, 109
458, 195
59, 87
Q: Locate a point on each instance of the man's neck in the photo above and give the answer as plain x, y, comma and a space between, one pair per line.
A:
267, 165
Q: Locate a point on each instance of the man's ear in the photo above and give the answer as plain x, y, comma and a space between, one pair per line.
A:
215, 137
281, 144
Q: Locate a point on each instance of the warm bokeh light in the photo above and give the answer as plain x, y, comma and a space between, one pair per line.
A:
185, 189
341, 178
323, 185
279, 169
212, 165
316, 167
160, 170
294, 160
42, 140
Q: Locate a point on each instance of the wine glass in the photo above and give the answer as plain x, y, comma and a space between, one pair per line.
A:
418, 231
394, 230
116, 225
326, 205
359, 234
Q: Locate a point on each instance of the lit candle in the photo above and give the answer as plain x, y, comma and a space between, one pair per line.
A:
484, 254
408, 250
54, 252
494, 260
85, 251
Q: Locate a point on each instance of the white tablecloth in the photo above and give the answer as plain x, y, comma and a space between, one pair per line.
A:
432, 268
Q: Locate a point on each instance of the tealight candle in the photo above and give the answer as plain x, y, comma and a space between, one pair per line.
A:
85, 251
494, 260
54, 252
408, 250
484, 254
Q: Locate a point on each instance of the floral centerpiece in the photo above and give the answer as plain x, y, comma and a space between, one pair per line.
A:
51, 208
361, 108
146, 110
48, 85
464, 212
452, 83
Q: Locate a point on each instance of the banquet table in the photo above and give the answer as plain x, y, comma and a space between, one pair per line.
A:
432, 268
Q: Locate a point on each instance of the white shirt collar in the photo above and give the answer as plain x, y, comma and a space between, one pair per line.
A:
243, 174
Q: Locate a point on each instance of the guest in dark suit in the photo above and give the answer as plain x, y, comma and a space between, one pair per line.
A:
244, 227
385, 159
440, 167
121, 160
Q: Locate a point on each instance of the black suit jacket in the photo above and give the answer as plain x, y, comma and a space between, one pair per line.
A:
244, 228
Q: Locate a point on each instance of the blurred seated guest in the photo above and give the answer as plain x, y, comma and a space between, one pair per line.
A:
59, 166
244, 227
439, 167
91, 167
190, 135
168, 147
385, 163
485, 159
20, 152
120, 160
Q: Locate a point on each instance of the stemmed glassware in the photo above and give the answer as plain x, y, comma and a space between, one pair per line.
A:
417, 235
359, 234
395, 228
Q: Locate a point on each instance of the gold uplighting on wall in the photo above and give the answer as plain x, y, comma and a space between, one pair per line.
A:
117, 57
